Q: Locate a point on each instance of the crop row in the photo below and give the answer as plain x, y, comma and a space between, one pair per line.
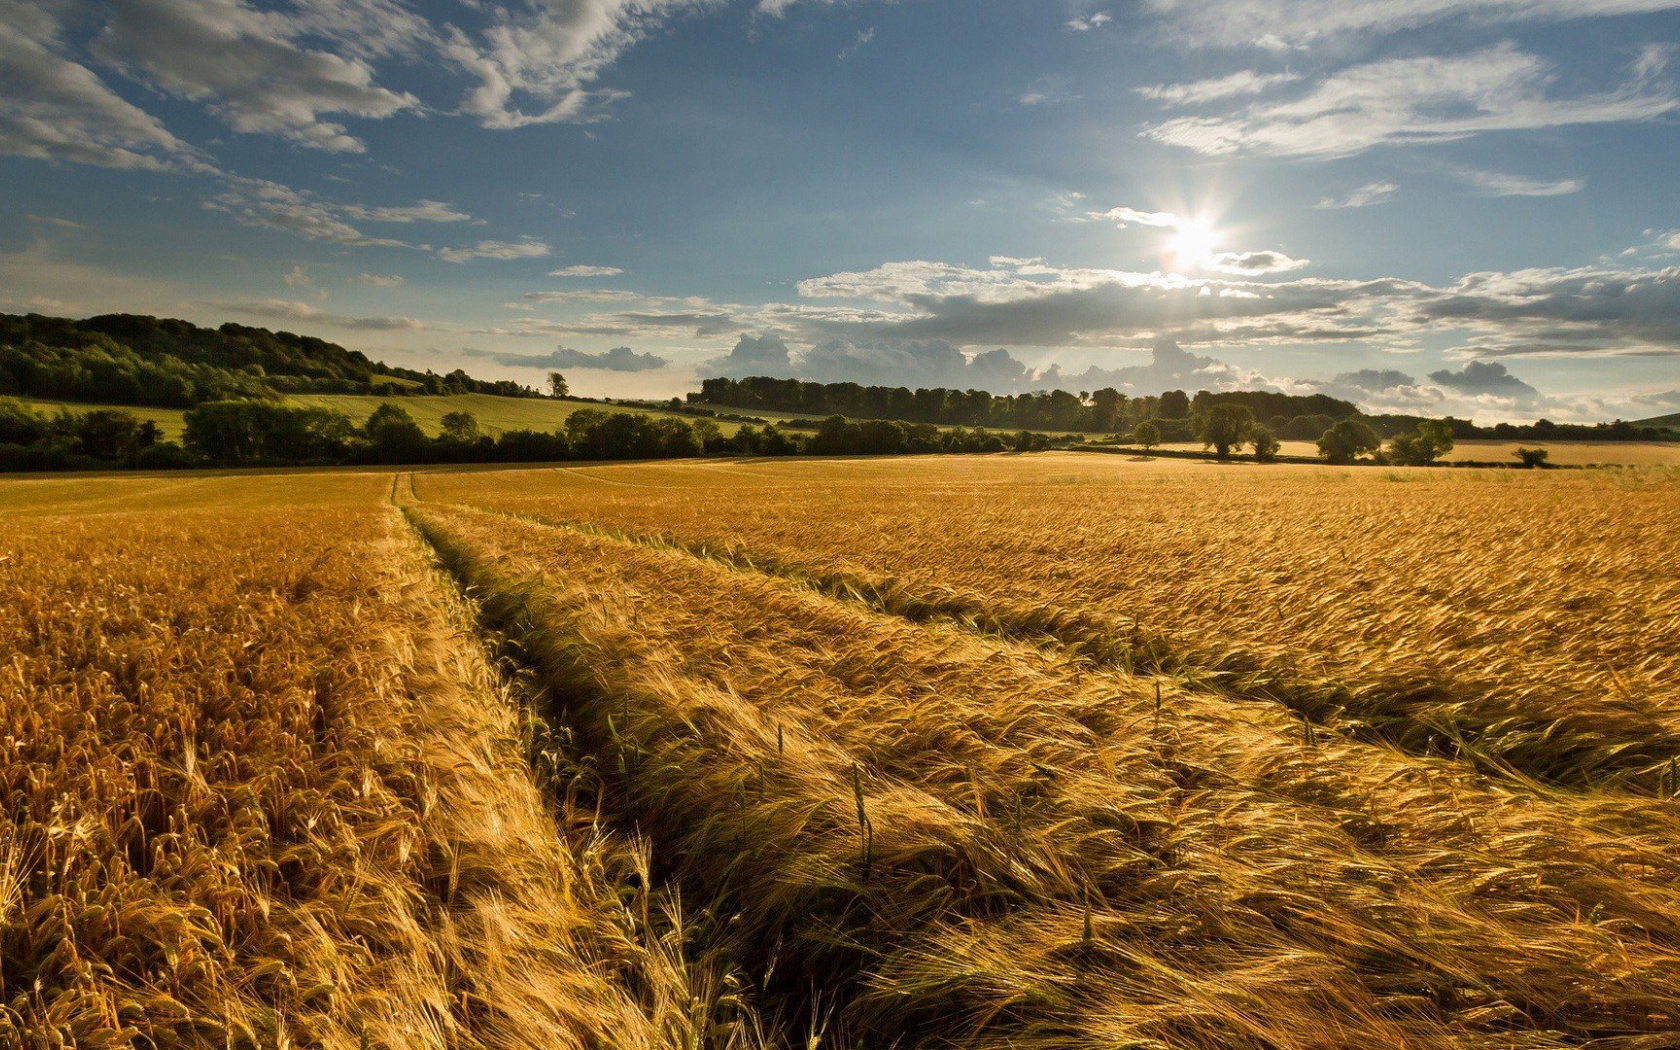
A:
963, 840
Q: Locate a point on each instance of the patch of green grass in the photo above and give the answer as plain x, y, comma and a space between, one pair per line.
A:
169, 419
495, 414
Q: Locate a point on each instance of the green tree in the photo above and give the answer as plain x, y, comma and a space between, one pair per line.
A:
1147, 434
1532, 458
1223, 427
460, 426
1265, 444
557, 387
1348, 440
1432, 440
1175, 404
394, 435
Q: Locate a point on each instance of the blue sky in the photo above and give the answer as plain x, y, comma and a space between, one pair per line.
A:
1424, 205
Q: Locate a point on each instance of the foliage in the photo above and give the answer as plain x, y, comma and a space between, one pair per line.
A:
132, 359
1433, 439
1147, 434
1223, 426
460, 426
1532, 458
1265, 445
1347, 441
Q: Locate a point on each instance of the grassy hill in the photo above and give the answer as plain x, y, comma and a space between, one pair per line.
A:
495, 414
1672, 421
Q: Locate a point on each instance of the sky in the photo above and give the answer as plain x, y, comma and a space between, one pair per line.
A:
1429, 206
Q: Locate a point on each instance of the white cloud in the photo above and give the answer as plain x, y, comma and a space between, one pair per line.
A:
523, 249
1415, 100
1087, 23
248, 67
1280, 24
420, 211
262, 203
1498, 184
53, 108
538, 60
1366, 196
1246, 82
586, 271
1123, 216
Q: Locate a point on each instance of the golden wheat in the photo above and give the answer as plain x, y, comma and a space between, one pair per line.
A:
1527, 620
262, 789
1040, 847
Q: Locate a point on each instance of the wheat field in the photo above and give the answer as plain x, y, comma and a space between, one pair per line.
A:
988, 752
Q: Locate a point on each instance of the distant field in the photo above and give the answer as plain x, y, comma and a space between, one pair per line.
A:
168, 419
495, 414
1564, 453
977, 753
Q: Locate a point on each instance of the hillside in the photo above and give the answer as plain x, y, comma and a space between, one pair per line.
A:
133, 359
1671, 421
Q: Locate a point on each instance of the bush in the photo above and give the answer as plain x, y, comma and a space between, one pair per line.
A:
1265, 445
1532, 458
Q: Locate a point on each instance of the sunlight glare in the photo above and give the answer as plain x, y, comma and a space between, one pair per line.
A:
1192, 246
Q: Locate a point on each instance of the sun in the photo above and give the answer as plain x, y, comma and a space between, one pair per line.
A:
1192, 246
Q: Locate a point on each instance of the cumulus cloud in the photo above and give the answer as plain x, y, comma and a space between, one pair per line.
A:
290, 310
1366, 196
247, 66
618, 359
53, 108
1590, 311
1027, 303
528, 248
752, 355
1245, 82
1485, 377
1170, 367
1417, 100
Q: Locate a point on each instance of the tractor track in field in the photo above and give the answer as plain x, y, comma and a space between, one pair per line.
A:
1421, 716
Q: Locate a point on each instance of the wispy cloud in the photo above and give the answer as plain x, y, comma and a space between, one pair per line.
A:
1499, 184
529, 248
1086, 23
1282, 24
291, 310
586, 271
1245, 82
1417, 100
1366, 196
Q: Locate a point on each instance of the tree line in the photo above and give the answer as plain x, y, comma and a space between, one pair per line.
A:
1106, 410
267, 433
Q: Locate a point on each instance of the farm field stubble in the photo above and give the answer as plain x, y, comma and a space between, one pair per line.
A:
1038, 751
